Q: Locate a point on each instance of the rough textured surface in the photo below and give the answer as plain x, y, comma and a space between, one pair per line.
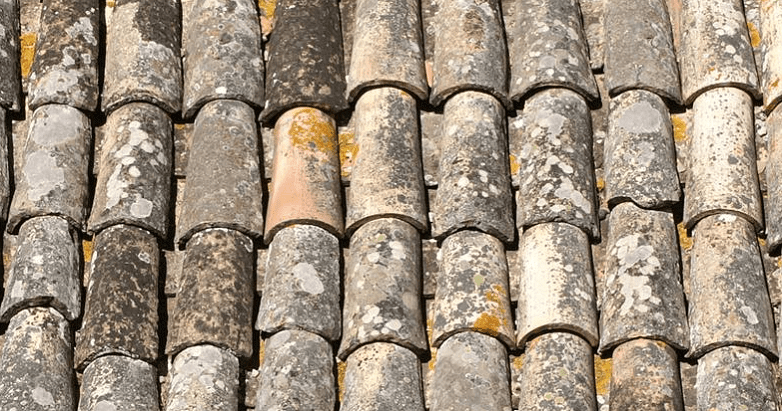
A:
383, 288
472, 289
387, 48
556, 284
474, 190
121, 310
728, 299
302, 277
204, 377
471, 371
645, 377
53, 173
142, 55
134, 174
470, 51
10, 75
556, 178
297, 373
44, 270
771, 66
558, 374
723, 175
643, 297
224, 186
222, 55
215, 303
119, 383
387, 178
593, 16
735, 378
715, 48
36, 370
6, 169
551, 49
639, 50
306, 65
65, 69
639, 152
773, 203
305, 185
383, 377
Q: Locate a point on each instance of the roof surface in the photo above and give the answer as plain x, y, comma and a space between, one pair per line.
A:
391, 204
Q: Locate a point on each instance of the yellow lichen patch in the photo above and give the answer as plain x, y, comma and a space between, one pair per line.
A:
514, 165
684, 239
518, 362
762, 242
6, 260
27, 41
488, 323
754, 34
679, 127
601, 184
313, 130
267, 8
110, 3
341, 369
602, 375
431, 362
86, 247
348, 150
775, 83
180, 126
261, 353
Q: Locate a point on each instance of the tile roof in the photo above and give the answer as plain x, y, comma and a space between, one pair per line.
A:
377, 204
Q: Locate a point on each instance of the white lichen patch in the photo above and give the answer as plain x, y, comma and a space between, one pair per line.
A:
306, 277
43, 175
640, 118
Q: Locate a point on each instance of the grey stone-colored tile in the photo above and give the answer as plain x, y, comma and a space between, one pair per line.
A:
558, 374
204, 377
771, 65
430, 263
302, 277
556, 178
143, 59
472, 289
183, 138
347, 20
382, 376
643, 296
723, 173
223, 58
297, 373
645, 377
752, 14
773, 203
119, 383
470, 53
431, 132
715, 48
53, 176
36, 368
134, 177
387, 177
593, 17
383, 288
6, 169
65, 69
728, 297
639, 152
639, 50
44, 270
471, 371
474, 190
688, 373
387, 48
556, 284
306, 184
121, 309
10, 69
224, 186
306, 65
735, 378
215, 302
551, 49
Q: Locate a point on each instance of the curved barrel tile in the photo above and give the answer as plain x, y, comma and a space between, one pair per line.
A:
119, 383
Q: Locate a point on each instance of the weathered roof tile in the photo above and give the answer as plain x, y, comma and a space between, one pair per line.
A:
735, 377
645, 377
10, 71
204, 377
771, 65
119, 383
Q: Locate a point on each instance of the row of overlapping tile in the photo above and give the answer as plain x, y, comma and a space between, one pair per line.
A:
379, 327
